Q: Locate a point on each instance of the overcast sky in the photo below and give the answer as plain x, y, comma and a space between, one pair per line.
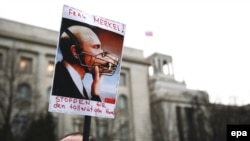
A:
208, 39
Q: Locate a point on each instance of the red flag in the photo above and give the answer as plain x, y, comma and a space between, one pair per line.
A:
149, 33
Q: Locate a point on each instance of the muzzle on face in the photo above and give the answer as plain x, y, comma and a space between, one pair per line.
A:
106, 62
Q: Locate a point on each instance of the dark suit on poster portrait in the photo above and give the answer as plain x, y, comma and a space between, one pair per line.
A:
63, 83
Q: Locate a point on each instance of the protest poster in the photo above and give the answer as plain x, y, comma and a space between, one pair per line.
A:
87, 64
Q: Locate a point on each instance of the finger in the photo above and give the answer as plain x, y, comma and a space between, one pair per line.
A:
100, 77
96, 74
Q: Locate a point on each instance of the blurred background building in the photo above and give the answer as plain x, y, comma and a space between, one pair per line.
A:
151, 104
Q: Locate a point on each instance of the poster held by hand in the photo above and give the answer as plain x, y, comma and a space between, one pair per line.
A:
87, 66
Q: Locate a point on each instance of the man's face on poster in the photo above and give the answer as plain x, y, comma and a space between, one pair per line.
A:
92, 53
91, 48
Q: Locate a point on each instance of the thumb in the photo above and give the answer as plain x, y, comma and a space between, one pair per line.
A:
96, 73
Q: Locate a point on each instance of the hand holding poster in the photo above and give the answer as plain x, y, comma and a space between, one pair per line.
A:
88, 63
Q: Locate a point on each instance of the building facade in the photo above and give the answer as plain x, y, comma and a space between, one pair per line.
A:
149, 107
178, 113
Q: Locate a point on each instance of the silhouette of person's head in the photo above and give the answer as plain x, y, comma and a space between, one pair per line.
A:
76, 136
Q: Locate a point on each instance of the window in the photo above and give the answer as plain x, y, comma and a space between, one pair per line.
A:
19, 125
102, 126
24, 91
124, 132
50, 68
122, 102
122, 79
25, 65
165, 68
1, 60
77, 124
